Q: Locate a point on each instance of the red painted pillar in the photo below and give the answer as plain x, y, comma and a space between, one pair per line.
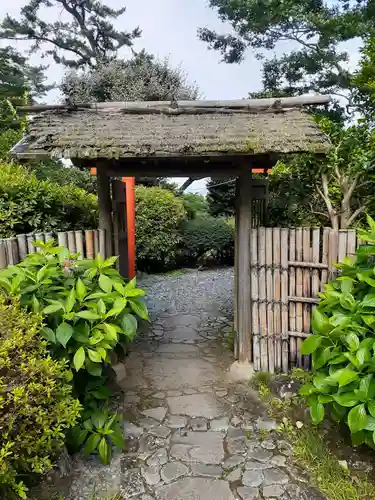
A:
130, 218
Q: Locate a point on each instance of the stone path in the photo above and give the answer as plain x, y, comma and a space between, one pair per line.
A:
191, 433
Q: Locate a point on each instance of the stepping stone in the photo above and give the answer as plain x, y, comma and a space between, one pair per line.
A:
195, 488
207, 470
131, 430
172, 471
235, 475
151, 475
198, 424
177, 349
220, 424
156, 413
196, 405
275, 476
176, 422
252, 478
274, 491
247, 493
206, 447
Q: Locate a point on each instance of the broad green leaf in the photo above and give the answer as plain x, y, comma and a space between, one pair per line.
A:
307, 389
5, 284
358, 438
136, 292
129, 325
363, 355
317, 412
310, 344
94, 356
102, 352
101, 307
139, 308
353, 341
370, 426
79, 358
357, 418
344, 376
94, 369
81, 289
52, 308
320, 381
70, 301
118, 439
321, 357
131, 285
104, 451
371, 408
109, 262
339, 359
48, 334
92, 443
368, 300
347, 399
110, 331
91, 316
63, 333
105, 283
118, 307
319, 322
364, 384
36, 304
98, 419
78, 436
119, 287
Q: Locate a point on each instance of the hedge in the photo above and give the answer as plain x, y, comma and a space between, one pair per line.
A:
208, 236
36, 405
28, 204
159, 214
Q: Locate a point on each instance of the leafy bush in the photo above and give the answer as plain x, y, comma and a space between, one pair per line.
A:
195, 205
36, 403
65, 175
28, 204
208, 235
87, 310
8, 138
159, 215
343, 346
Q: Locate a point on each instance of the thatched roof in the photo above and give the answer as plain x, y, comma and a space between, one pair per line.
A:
125, 131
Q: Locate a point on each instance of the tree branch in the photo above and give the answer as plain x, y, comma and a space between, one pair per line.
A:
355, 215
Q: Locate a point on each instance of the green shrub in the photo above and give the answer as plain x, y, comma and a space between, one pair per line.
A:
8, 138
28, 204
159, 214
343, 346
87, 310
208, 235
36, 403
65, 175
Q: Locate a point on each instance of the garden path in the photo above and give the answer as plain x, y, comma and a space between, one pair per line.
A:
191, 433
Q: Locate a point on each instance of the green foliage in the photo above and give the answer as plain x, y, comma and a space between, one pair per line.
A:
65, 175
87, 309
364, 80
195, 205
208, 235
314, 30
343, 344
159, 215
8, 138
84, 37
27, 204
36, 402
221, 198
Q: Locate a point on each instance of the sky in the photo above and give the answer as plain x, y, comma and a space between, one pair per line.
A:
169, 29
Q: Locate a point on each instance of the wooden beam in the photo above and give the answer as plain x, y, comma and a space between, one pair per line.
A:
243, 261
105, 208
248, 104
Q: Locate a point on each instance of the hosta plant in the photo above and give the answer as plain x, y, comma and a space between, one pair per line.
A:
343, 346
87, 309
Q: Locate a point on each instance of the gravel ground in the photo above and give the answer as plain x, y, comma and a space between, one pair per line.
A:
208, 293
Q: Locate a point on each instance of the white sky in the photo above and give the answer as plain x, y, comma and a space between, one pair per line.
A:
169, 29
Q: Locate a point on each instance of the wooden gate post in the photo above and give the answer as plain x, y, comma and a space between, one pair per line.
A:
243, 271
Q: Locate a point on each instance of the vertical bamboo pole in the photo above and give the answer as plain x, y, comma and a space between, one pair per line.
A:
62, 239
292, 292
79, 245
351, 243
22, 245
343, 236
254, 287
72, 242
235, 332
105, 209
299, 292
89, 238
284, 243
277, 297
39, 237
96, 243
315, 282
11, 257
30, 243
333, 252
262, 298
269, 295
326, 232
102, 243
306, 286
3, 255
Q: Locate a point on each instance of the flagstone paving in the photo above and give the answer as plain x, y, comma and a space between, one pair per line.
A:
191, 433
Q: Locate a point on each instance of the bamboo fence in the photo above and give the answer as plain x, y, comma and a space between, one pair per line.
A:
86, 243
289, 267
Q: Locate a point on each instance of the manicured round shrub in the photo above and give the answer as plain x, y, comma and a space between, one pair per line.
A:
159, 214
28, 204
36, 405
208, 236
